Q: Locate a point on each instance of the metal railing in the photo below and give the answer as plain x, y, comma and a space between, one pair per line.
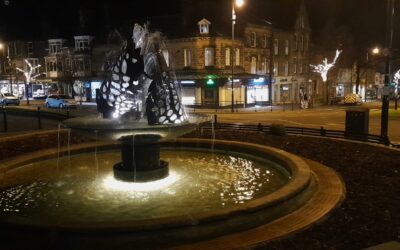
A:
322, 132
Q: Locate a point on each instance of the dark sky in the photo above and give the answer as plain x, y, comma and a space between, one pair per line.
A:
363, 19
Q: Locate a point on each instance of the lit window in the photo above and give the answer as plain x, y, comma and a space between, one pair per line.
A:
187, 57
253, 39
253, 65
286, 47
286, 68
276, 68
237, 57
276, 47
209, 56
265, 41
227, 56
204, 26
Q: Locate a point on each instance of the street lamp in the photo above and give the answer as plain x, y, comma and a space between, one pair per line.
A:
237, 3
388, 66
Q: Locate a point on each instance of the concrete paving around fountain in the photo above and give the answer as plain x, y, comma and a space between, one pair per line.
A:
313, 191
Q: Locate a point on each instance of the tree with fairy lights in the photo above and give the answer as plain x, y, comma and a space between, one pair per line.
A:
324, 68
28, 76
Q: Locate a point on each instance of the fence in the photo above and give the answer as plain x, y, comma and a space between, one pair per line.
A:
34, 113
322, 132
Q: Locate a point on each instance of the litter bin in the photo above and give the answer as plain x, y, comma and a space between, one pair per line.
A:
357, 121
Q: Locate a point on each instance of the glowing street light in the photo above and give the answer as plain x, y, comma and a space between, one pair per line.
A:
237, 3
376, 51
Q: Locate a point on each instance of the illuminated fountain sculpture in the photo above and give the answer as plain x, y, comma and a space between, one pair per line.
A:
140, 103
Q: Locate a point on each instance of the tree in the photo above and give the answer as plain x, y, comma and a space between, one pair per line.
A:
28, 76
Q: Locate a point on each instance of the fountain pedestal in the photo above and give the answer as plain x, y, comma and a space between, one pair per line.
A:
140, 159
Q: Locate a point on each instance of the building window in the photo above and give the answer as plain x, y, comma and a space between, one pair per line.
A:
295, 42
237, 57
294, 65
286, 68
300, 65
264, 65
253, 39
209, 56
286, 47
253, 65
265, 40
276, 68
51, 66
55, 47
29, 46
82, 44
276, 47
187, 57
227, 56
301, 43
204, 26
302, 22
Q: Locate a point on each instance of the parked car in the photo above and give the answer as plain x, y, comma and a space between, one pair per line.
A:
60, 101
8, 99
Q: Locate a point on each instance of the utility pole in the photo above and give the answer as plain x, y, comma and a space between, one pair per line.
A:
388, 65
271, 65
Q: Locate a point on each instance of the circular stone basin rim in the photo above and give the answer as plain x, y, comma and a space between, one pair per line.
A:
299, 170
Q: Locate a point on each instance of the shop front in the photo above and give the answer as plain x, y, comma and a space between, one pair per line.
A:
258, 92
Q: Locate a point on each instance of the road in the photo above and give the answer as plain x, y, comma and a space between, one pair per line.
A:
330, 117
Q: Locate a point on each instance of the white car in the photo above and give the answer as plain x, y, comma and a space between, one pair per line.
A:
8, 99
60, 101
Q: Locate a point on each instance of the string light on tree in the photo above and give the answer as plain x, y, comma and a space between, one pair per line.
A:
324, 68
28, 75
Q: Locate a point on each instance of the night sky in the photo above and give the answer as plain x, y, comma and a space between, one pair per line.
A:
362, 19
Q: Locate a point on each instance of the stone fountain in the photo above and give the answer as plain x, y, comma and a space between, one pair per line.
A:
140, 103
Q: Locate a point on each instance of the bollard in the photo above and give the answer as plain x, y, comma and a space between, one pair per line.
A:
323, 131
39, 118
5, 119
271, 106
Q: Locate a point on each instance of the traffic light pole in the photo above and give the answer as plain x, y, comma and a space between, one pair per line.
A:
386, 92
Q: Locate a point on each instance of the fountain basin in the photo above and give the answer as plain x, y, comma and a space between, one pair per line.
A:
165, 231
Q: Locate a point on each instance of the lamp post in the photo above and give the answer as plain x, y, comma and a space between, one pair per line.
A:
385, 93
374, 51
237, 3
